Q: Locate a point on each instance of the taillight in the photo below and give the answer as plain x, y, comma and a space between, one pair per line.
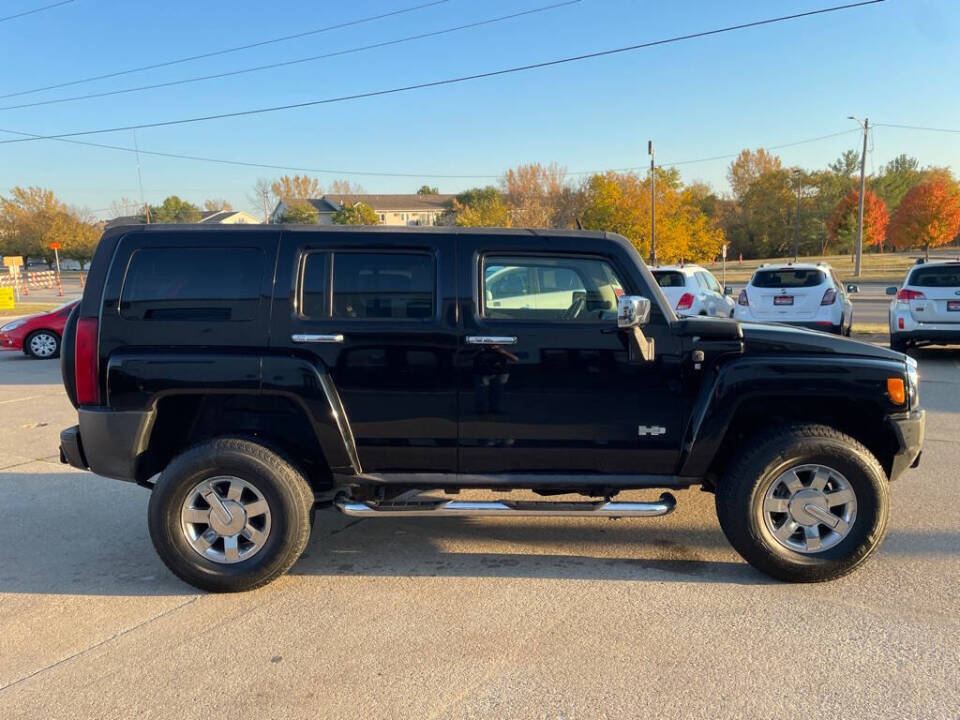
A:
686, 302
829, 297
86, 362
905, 294
900, 323
742, 299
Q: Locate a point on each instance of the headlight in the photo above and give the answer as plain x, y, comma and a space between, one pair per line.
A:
12, 326
913, 382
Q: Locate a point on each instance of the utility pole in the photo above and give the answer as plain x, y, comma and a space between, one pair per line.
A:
863, 166
796, 220
146, 208
653, 204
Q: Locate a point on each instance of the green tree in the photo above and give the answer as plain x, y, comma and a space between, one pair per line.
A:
478, 207
27, 219
299, 213
428, 190
357, 213
174, 210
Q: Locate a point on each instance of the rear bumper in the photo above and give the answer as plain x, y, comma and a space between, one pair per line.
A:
108, 442
942, 333
909, 429
822, 326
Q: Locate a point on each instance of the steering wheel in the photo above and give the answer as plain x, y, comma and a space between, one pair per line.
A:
576, 307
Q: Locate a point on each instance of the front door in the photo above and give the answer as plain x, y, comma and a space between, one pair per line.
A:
378, 313
546, 383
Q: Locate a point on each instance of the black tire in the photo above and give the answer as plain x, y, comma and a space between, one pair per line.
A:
897, 344
740, 494
37, 333
285, 490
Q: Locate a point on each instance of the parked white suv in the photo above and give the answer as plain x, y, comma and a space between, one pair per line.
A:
692, 290
927, 308
804, 294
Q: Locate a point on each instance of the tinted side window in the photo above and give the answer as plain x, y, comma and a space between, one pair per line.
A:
549, 288
219, 284
710, 282
313, 286
383, 285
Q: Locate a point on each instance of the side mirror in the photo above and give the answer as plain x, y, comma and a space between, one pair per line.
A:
851, 288
632, 311
892, 290
728, 290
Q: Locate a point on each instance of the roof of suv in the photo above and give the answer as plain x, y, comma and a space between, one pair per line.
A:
794, 266
685, 269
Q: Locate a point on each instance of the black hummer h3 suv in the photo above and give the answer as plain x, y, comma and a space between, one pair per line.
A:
247, 375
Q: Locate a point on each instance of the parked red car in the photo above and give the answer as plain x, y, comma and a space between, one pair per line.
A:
37, 335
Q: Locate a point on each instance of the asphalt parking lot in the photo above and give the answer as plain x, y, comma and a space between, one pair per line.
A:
451, 618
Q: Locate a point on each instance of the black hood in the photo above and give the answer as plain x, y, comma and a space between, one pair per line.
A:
786, 338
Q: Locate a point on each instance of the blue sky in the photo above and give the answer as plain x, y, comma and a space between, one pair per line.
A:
896, 62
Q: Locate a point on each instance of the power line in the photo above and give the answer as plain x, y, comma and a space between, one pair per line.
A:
450, 81
35, 10
298, 61
917, 127
214, 53
328, 171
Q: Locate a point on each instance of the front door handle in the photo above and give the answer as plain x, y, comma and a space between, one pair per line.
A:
491, 339
332, 338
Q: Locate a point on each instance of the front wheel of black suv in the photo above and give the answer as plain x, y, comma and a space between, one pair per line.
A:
805, 504
230, 515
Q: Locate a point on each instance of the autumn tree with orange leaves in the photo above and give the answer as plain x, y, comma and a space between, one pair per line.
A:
928, 216
842, 223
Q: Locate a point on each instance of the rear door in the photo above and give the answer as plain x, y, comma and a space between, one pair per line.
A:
547, 385
787, 294
377, 311
940, 285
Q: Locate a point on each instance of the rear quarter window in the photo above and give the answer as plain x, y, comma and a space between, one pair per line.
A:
200, 284
788, 278
945, 276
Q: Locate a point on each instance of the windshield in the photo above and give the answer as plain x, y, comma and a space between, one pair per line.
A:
788, 278
936, 276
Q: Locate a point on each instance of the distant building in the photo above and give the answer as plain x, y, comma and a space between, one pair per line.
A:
211, 217
227, 217
391, 209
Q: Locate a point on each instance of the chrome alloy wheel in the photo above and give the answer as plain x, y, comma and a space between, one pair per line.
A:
43, 345
225, 519
809, 508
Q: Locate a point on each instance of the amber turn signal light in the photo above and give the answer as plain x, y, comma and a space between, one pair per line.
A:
896, 390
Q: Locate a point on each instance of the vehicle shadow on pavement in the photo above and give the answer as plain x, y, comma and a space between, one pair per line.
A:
545, 549
72, 534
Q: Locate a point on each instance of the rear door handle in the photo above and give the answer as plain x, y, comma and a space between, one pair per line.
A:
333, 338
491, 339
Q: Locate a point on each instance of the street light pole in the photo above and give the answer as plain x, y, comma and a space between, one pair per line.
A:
653, 204
863, 165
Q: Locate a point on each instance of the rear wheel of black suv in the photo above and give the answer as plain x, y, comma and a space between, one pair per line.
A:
805, 504
230, 515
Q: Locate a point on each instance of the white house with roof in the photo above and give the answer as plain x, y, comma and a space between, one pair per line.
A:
391, 209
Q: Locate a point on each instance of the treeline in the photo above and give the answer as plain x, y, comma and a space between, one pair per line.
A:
769, 209
32, 218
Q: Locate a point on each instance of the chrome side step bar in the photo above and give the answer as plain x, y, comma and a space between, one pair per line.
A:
460, 508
